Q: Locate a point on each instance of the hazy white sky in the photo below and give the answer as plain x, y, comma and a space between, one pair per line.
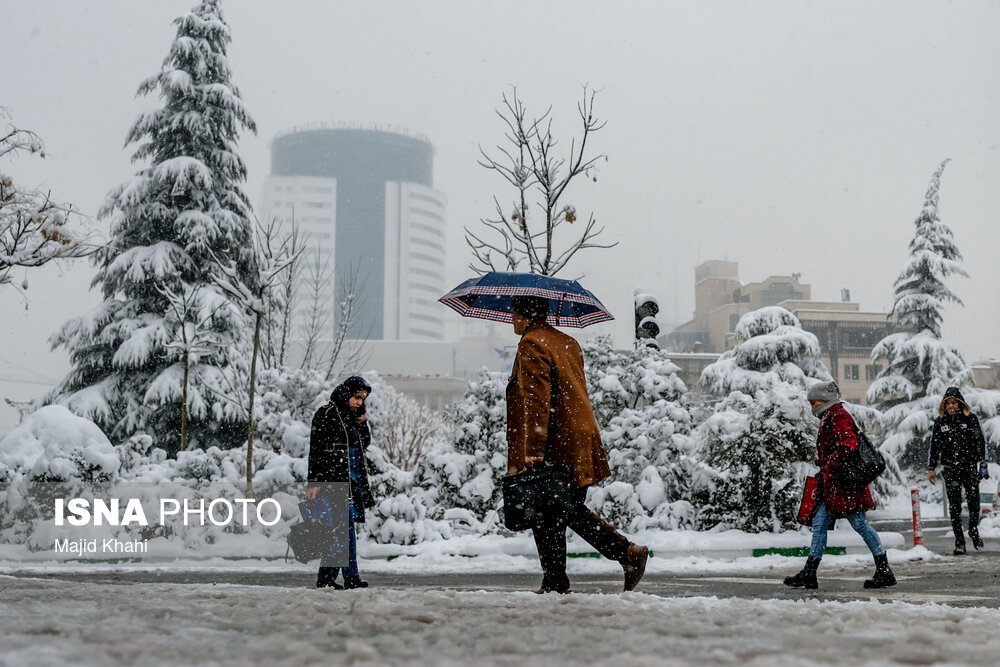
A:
789, 136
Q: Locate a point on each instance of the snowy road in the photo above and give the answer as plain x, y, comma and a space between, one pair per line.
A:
944, 610
63, 622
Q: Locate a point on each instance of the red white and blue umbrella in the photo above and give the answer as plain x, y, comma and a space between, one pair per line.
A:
488, 297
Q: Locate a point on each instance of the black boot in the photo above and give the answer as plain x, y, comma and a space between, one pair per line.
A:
883, 575
354, 582
974, 536
326, 576
959, 543
806, 578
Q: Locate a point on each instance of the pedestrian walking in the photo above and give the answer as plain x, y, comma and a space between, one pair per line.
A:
836, 443
550, 420
337, 444
958, 444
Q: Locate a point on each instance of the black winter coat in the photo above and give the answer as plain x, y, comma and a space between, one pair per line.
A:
334, 431
957, 442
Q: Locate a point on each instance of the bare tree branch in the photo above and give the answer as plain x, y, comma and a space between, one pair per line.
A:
530, 164
33, 226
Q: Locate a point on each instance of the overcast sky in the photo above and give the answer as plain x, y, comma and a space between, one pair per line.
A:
788, 136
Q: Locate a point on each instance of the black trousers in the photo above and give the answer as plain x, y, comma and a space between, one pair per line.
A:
957, 480
550, 540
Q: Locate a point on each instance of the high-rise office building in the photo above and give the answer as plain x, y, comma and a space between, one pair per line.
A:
365, 198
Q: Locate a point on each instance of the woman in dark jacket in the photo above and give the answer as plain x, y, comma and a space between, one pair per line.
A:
957, 443
836, 443
337, 446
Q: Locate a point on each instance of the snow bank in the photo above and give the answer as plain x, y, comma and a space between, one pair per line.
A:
53, 444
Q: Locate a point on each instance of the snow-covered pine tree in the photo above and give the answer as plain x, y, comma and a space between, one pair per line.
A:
170, 224
760, 437
920, 365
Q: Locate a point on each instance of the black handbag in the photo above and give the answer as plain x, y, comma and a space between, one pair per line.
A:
863, 467
309, 540
543, 492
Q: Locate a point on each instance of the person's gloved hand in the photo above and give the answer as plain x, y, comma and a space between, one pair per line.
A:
984, 470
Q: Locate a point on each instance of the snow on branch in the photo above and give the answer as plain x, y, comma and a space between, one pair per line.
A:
33, 226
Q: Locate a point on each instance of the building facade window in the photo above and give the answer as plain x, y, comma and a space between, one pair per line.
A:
851, 371
872, 371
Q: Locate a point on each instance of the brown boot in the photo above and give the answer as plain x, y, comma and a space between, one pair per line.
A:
634, 564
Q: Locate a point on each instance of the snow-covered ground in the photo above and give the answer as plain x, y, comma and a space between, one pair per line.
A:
59, 623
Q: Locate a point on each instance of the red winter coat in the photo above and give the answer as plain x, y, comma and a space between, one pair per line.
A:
837, 440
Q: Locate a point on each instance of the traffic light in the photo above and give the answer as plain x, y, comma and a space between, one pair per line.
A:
646, 326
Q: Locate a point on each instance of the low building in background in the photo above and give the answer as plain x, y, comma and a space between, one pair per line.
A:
720, 300
986, 374
846, 337
846, 334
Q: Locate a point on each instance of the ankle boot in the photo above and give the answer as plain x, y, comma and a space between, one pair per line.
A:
806, 578
354, 582
554, 583
974, 536
634, 564
883, 575
959, 544
326, 576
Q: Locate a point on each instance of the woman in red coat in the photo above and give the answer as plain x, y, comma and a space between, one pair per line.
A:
836, 443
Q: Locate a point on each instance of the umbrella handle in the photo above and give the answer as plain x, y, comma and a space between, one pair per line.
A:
559, 307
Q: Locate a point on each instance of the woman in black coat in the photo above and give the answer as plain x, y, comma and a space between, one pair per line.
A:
337, 444
957, 443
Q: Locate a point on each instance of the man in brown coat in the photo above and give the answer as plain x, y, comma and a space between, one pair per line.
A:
549, 420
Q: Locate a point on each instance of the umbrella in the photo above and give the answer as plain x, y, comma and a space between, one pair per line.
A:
488, 297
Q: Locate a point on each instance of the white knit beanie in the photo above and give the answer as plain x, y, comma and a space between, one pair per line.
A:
824, 391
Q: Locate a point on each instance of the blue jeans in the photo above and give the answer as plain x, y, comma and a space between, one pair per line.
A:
858, 521
352, 552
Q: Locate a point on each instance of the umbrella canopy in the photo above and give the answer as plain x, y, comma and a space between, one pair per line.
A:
488, 297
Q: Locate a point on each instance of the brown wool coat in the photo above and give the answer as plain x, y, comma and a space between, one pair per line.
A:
548, 409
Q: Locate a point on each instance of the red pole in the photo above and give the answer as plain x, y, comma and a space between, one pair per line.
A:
918, 524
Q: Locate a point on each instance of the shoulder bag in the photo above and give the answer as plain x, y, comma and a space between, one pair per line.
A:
863, 466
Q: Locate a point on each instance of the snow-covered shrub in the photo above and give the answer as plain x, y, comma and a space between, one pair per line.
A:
54, 445
464, 470
287, 400
654, 469
606, 368
53, 454
404, 428
618, 380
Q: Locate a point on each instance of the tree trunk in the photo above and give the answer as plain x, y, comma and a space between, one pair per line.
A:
253, 380
184, 405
